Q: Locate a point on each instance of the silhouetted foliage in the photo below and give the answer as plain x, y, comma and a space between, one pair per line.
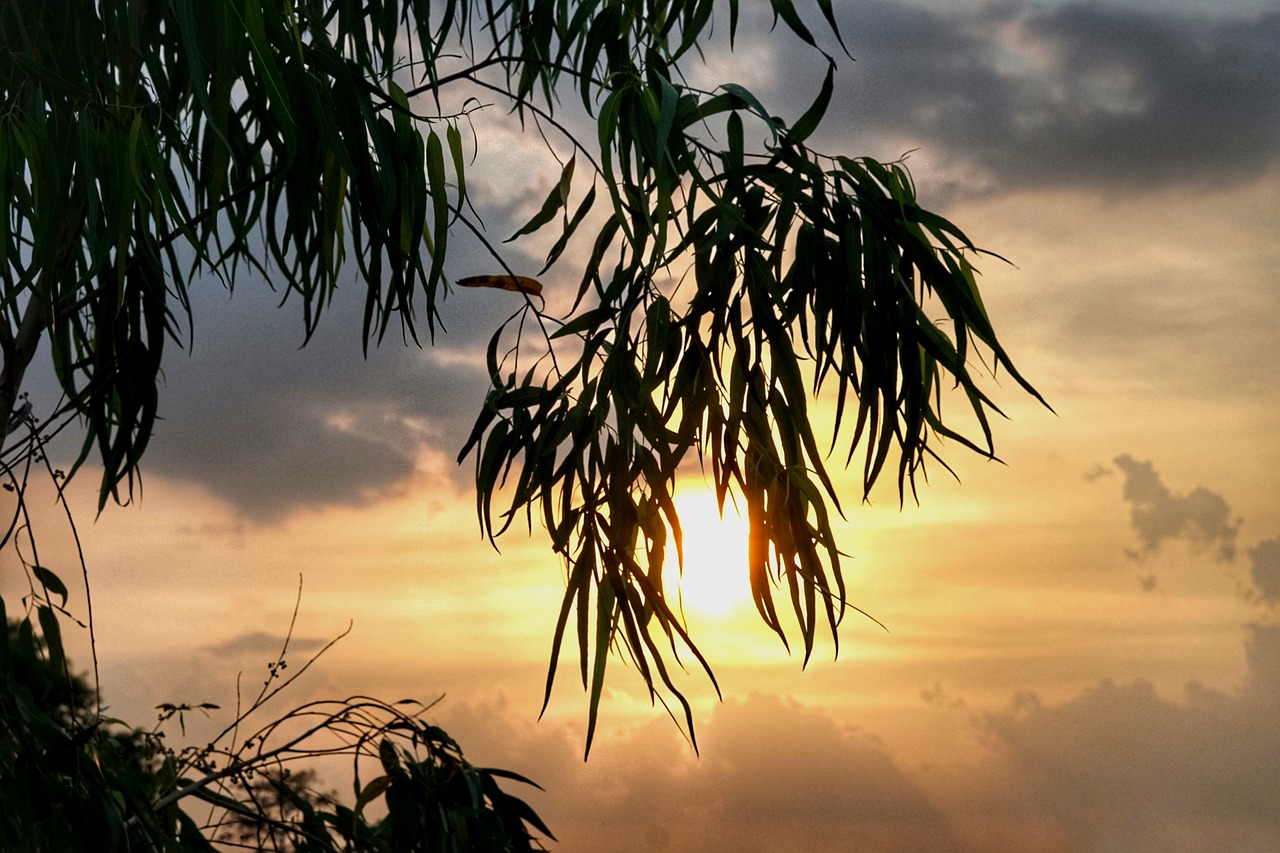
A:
727, 282
74, 780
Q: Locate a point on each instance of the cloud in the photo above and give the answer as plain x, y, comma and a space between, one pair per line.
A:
263, 643
1122, 768
1262, 653
1265, 569
271, 427
773, 776
787, 777
1097, 472
1201, 517
1016, 94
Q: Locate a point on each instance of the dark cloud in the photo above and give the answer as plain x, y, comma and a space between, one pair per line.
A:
1080, 93
1121, 768
1264, 569
1202, 517
262, 643
271, 426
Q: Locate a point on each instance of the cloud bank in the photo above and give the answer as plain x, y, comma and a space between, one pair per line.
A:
1070, 94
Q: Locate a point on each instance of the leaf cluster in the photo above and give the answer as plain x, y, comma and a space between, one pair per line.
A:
76, 780
733, 281
726, 290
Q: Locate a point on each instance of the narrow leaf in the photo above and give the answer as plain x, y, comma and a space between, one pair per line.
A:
555, 200
808, 123
516, 283
51, 582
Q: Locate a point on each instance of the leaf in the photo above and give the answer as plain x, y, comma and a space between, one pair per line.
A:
667, 114
808, 123
787, 10
607, 133
265, 64
440, 206
829, 14
52, 637
555, 200
558, 248
606, 603
51, 582
372, 791
584, 321
515, 283
754, 104
454, 139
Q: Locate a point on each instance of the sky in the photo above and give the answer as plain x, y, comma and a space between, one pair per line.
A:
1081, 646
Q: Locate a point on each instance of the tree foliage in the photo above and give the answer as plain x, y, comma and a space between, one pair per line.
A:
727, 282
72, 778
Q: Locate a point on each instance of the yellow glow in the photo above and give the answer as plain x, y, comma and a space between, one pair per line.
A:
714, 582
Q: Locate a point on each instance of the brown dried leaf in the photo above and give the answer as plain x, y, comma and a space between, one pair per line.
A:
516, 283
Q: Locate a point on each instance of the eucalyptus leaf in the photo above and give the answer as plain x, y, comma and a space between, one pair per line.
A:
733, 276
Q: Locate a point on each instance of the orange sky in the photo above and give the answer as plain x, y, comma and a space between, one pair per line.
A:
1082, 650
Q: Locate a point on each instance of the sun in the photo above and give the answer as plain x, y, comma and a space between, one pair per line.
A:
714, 583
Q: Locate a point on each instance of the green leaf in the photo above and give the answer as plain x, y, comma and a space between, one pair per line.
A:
787, 10
584, 321
607, 132
606, 605
555, 200
563, 241
52, 638
577, 590
754, 105
667, 114
265, 64
454, 138
737, 145
440, 202
808, 123
829, 13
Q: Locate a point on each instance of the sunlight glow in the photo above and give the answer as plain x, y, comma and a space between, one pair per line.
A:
714, 582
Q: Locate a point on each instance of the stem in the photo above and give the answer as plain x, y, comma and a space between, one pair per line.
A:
499, 59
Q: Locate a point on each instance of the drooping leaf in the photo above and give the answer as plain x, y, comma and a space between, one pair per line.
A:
51, 582
812, 118
515, 283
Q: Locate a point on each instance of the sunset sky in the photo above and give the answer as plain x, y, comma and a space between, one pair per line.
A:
1081, 648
